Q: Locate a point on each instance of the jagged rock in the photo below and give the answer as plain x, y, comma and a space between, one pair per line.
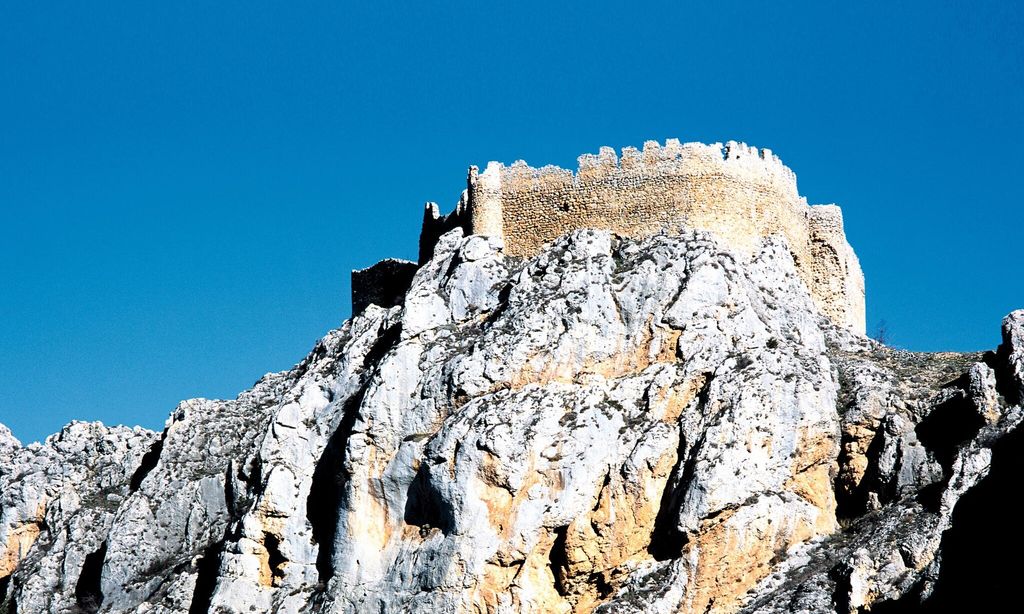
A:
614, 425
1013, 353
58, 501
9, 445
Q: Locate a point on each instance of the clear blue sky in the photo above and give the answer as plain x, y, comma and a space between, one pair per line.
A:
185, 186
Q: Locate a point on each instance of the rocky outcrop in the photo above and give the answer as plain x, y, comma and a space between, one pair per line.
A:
611, 425
58, 502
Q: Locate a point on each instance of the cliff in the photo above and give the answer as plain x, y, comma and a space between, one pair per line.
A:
612, 424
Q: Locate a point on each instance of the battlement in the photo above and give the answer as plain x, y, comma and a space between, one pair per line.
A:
737, 161
739, 193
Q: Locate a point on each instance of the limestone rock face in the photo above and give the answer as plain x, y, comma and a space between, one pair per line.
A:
57, 502
612, 425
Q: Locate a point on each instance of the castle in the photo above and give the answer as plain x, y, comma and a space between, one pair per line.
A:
737, 192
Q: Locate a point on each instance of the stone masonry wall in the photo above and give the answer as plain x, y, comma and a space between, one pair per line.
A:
833, 271
738, 192
383, 284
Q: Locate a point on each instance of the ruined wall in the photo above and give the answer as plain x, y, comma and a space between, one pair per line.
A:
833, 272
383, 284
738, 192
741, 195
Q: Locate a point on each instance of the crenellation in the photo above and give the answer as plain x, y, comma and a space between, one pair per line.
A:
653, 154
632, 159
594, 168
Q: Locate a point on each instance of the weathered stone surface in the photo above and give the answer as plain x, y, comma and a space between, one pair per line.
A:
614, 425
58, 501
1012, 351
383, 284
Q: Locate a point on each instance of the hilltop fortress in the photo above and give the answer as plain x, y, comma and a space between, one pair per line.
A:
739, 193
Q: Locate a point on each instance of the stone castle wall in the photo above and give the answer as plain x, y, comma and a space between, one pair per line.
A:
383, 284
739, 193
741, 196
